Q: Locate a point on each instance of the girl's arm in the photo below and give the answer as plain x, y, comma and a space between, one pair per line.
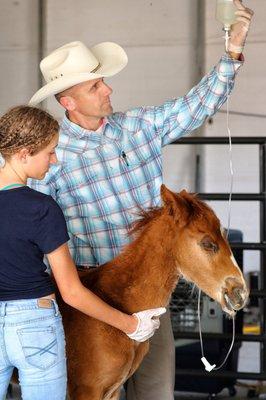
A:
81, 298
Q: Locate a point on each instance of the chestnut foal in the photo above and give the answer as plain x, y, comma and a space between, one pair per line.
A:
183, 237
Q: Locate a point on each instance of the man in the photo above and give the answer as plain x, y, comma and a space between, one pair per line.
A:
110, 163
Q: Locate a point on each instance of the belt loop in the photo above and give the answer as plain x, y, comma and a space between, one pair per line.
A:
55, 307
3, 305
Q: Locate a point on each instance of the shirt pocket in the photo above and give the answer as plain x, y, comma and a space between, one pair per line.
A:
145, 154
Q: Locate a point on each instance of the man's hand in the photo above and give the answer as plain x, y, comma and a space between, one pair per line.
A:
239, 29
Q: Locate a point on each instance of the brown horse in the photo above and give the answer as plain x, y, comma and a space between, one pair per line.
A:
183, 237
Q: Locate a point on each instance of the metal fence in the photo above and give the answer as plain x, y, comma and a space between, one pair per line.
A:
183, 311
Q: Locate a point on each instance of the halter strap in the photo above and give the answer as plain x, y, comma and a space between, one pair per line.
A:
12, 185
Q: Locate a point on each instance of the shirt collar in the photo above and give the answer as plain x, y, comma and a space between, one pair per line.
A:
99, 135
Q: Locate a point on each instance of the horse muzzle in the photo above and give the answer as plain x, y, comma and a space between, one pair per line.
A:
234, 295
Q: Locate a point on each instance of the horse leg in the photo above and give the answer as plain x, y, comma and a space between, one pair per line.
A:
115, 395
140, 353
84, 392
91, 393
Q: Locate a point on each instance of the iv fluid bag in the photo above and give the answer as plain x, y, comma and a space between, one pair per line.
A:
225, 12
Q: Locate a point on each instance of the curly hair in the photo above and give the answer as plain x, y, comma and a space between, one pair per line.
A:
26, 127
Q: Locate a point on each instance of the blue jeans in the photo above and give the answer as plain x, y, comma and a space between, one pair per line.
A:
32, 340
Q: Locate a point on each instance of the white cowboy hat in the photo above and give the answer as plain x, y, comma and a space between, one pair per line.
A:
74, 63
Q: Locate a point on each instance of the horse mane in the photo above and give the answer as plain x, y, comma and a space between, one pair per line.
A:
196, 208
144, 217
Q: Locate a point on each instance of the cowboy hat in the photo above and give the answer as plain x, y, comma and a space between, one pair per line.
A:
74, 63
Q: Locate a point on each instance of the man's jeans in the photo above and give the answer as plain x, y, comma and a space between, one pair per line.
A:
32, 340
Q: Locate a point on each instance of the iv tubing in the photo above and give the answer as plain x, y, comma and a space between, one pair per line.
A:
229, 211
201, 342
230, 160
226, 37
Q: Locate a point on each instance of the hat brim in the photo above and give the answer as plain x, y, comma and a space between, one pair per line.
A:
112, 59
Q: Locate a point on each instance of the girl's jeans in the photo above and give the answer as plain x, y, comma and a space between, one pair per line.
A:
32, 340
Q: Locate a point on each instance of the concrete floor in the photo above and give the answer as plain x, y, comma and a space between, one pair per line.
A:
241, 394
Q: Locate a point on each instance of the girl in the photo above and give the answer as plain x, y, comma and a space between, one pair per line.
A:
32, 225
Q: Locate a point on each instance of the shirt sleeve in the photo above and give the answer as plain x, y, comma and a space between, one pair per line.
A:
41, 186
177, 117
48, 184
52, 230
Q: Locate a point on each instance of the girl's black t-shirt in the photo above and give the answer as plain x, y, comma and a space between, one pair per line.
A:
31, 224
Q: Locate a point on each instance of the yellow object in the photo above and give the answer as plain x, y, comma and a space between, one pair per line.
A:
251, 329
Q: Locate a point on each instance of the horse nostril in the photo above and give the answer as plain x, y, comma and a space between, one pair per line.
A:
235, 294
234, 300
238, 294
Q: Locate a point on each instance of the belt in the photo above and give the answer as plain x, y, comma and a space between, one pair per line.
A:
83, 268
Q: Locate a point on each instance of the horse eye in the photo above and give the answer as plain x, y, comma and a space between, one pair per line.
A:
209, 245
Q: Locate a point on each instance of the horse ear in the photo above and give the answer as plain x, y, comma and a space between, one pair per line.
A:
175, 204
167, 196
183, 192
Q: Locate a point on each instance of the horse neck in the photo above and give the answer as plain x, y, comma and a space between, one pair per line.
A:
146, 271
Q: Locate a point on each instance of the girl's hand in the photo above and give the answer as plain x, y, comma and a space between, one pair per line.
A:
147, 323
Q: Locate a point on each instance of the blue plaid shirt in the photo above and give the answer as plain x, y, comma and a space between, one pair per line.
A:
103, 177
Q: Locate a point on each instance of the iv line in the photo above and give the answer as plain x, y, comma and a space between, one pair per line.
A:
209, 367
201, 341
227, 37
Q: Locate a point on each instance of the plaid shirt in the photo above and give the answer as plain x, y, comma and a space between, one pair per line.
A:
103, 177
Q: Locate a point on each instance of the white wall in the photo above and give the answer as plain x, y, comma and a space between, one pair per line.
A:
18, 51
155, 34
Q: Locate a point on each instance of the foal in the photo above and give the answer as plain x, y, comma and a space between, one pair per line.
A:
183, 237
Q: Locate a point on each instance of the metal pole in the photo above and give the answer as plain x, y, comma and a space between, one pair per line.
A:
262, 302
199, 51
41, 21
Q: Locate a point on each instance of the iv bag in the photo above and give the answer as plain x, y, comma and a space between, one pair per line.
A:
225, 12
